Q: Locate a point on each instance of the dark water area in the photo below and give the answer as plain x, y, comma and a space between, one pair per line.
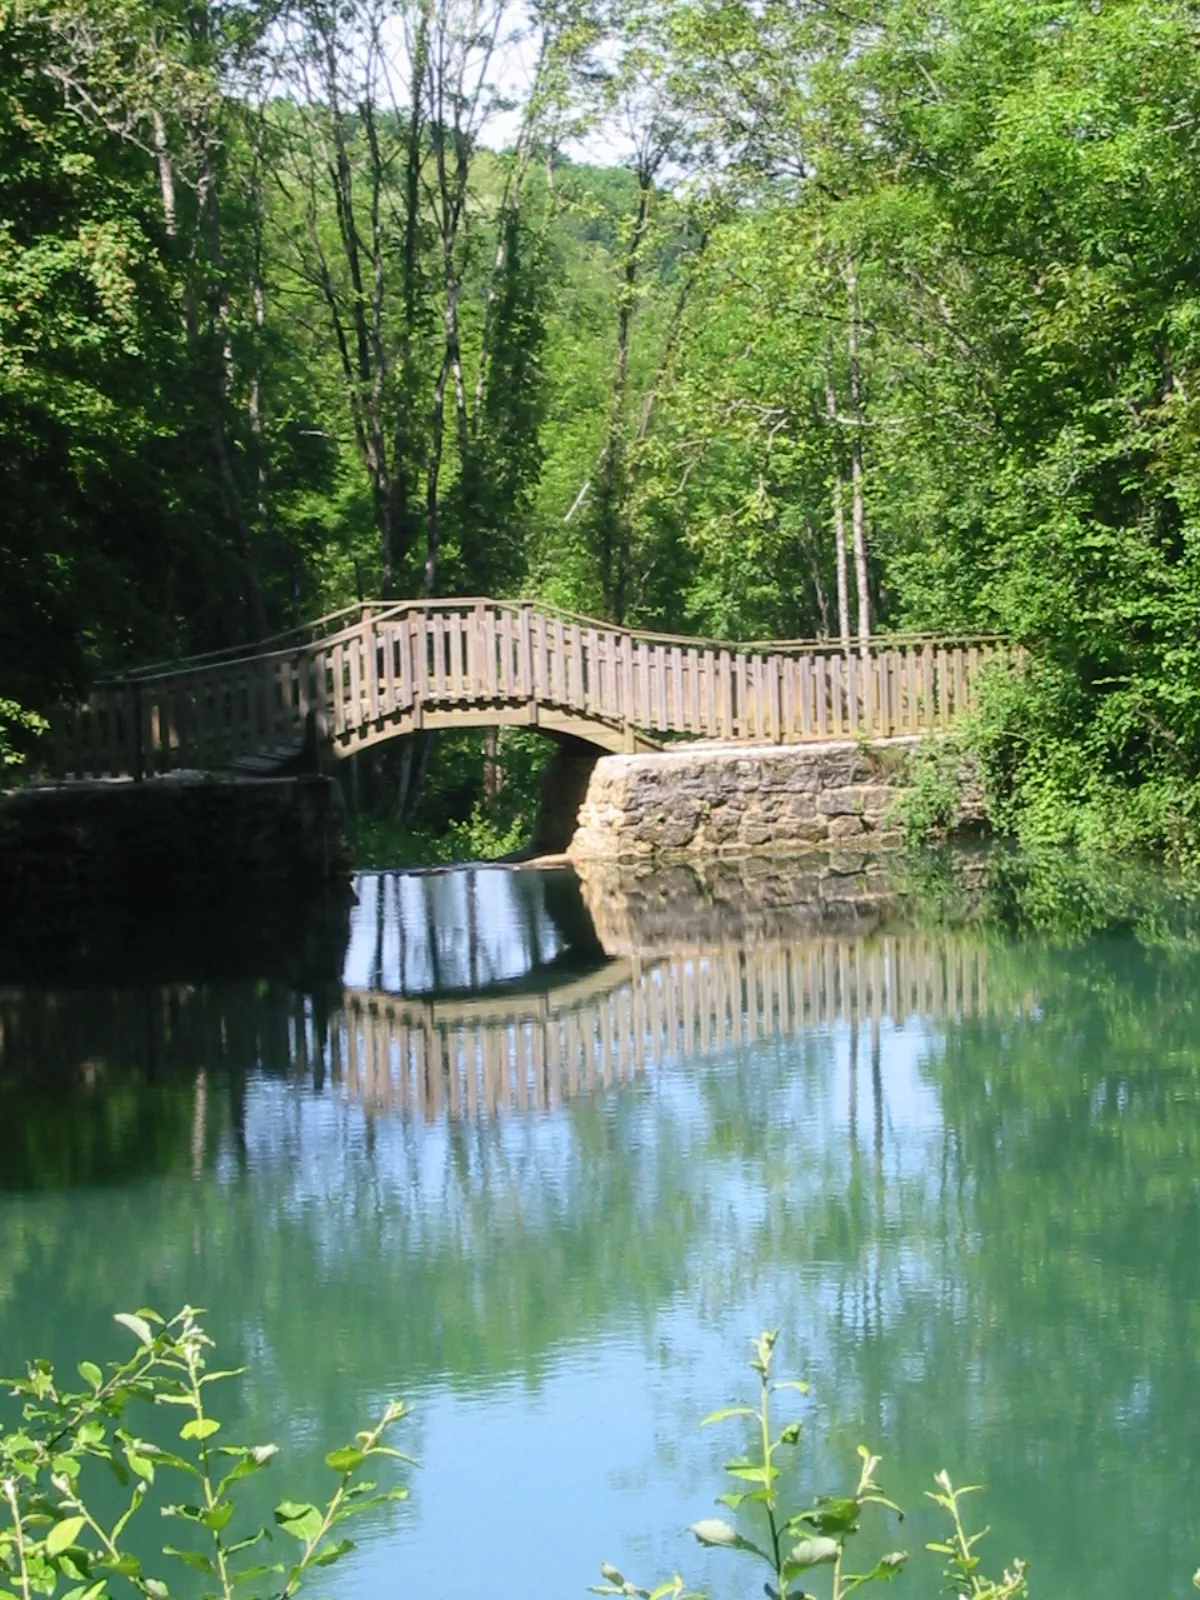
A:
541, 1153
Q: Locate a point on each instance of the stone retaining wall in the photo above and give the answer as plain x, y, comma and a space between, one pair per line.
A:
725, 799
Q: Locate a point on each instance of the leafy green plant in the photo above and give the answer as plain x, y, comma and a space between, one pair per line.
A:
56, 1543
25, 725
927, 808
789, 1543
792, 1544
962, 1564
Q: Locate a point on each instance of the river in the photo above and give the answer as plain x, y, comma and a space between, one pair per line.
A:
541, 1156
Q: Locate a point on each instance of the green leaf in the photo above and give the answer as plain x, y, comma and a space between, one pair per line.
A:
345, 1460
812, 1553
258, 1571
332, 1553
613, 1576
126, 1566
246, 1543
302, 1521
140, 1464
216, 1517
90, 1373
138, 1326
200, 1428
727, 1411
712, 1531
831, 1517
190, 1558
884, 1570
64, 1534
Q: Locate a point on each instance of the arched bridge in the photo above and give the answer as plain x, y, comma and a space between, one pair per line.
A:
357, 678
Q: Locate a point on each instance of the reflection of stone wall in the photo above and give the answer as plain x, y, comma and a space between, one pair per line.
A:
730, 799
682, 906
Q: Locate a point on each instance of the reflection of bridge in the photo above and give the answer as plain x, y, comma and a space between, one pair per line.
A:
487, 1055
358, 678
464, 1057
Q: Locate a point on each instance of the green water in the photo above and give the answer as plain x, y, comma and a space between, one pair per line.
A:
969, 1197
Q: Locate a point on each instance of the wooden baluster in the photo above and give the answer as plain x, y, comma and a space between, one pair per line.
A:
943, 686
454, 655
388, 690
805, 674
559, 665
741, 710
661, 685
820, 672
591, 675
541, 658
928, 702
354, 652
525, 653
725, 683
839, 669
505, 677
575, 699
611, 656
693, 721
675, 700
437, 638
910, 690
490, 620
339, 692
775, 692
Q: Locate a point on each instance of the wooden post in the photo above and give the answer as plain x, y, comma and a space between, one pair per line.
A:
525, 654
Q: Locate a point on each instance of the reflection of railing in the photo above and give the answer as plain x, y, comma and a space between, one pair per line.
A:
470, 1057
396, 668
490, 1055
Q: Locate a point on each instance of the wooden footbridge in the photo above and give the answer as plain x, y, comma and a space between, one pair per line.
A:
360, 677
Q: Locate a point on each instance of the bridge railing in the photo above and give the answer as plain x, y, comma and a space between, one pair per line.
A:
398, 667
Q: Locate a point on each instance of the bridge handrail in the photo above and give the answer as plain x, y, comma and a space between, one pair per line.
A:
286, 643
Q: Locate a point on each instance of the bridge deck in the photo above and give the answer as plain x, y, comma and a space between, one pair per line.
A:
458, 663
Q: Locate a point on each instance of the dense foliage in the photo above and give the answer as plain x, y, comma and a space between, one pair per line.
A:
879, 314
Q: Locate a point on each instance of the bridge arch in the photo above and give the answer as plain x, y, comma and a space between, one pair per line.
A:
358, 679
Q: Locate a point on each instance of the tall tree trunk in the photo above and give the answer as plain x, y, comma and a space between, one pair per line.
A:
402, 449
614, 556
218, 332
856, 468
839, 521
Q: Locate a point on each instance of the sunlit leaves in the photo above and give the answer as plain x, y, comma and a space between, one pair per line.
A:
54, 1533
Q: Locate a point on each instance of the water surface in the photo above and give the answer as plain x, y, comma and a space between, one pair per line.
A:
542, 1160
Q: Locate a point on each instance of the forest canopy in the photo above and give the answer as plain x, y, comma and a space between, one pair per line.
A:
742, 318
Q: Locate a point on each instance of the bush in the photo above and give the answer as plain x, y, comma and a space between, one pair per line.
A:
56, 1542
792, 1543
